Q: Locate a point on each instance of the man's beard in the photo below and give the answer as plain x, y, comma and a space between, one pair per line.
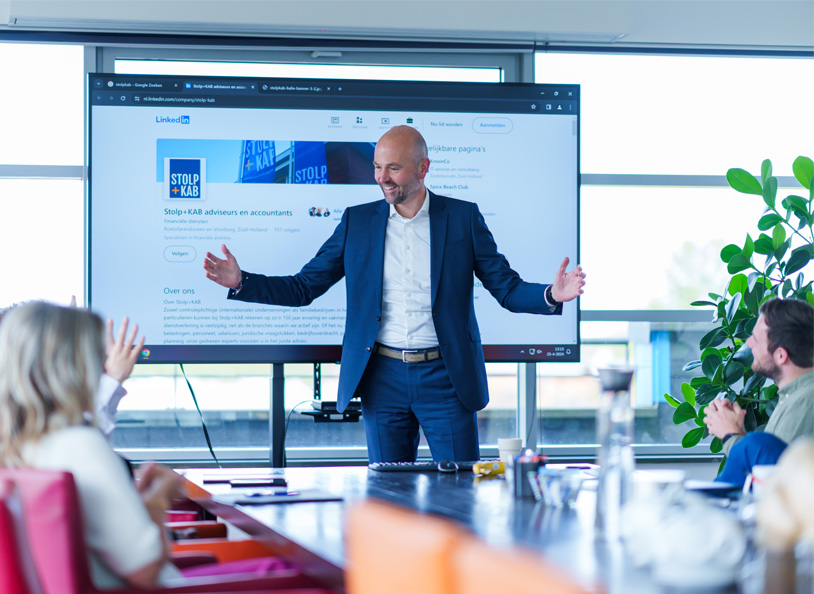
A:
770, 369
404, 192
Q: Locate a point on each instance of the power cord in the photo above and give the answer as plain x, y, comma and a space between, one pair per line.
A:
203, 423
285, 430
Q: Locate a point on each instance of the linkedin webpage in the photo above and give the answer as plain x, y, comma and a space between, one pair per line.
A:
174, 175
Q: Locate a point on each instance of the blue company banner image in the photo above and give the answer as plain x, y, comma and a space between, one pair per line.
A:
310, 166
185, 179
269, 161
258, 162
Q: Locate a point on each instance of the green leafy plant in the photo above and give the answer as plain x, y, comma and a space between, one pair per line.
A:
765, 267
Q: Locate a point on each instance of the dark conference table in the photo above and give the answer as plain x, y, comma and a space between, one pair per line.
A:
311, 534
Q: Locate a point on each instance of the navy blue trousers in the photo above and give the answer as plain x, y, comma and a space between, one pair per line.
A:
757, 447
399, 397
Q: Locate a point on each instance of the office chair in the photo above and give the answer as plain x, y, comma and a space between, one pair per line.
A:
56, 547
481, 568
17, 573
398, 551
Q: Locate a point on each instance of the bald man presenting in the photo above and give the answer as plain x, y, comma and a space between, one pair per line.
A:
412, 349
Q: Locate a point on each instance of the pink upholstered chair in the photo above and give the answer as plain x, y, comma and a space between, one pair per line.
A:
56, 545
17, 573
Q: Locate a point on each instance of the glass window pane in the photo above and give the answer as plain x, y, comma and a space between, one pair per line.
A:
42, 239
659, 248
499, 418
42, 103
687, 114
426, 73
568, 393
159, 412
304, 436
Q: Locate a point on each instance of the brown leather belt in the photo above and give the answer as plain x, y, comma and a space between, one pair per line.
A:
408, 356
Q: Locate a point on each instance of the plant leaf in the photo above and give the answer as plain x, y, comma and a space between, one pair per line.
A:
711, 365
748, 247
718, 378
803, 168
768, 221
810, 299
797, 203
740, 331
706, 394
738, 284
738, 263
697, 382
765, 170
728, 251
754, 383
732, 306
763, 244
750, 420
688, 393
798, 259
711, 351
733, 372
713, 338
671, 401
716, 446
743, 354
770, 192
782, 248
691, 365
683, 413
752, 280
692, 437
752, 299
743, 181
778, 236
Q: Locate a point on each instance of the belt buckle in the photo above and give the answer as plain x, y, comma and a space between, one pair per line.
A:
414, 353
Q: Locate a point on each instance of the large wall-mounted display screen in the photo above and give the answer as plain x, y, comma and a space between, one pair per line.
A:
180, 165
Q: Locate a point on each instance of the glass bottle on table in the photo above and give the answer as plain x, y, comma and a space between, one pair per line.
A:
614, 434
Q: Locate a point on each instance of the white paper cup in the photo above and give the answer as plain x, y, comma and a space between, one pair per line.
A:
758, 478
509, 448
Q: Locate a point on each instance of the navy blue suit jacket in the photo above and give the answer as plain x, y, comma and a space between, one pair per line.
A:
460, 245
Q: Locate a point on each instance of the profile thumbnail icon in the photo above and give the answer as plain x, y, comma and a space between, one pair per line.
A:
184, 179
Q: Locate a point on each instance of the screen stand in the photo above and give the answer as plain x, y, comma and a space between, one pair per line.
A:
277, 416
527, 414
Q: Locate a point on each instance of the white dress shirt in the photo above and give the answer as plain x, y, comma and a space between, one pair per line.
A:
108, 396
406, 300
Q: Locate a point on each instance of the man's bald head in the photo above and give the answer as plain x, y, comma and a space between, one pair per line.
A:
400, 164
407, 137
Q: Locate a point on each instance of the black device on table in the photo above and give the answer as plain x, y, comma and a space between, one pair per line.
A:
422, 466
258, 482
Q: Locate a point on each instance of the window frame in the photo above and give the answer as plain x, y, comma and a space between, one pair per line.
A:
517, 62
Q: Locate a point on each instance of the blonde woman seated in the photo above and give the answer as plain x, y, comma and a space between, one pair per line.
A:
51, 359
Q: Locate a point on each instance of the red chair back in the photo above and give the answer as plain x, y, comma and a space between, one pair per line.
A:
56, 542
13, 578
53, 524
17, 572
